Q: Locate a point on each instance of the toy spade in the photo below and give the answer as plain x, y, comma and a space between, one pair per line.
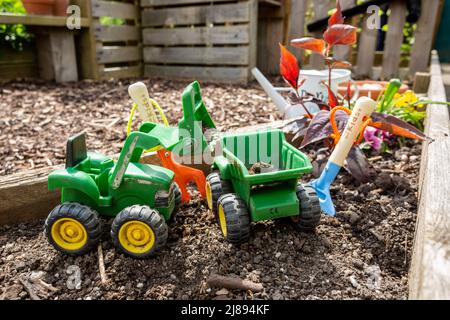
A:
183, 174
363, 108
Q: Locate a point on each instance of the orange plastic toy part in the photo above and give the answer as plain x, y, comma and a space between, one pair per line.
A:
183, 175
336, 135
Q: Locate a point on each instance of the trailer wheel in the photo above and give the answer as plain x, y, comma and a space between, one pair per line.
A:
139, 231
234, 219
177, 195
309, 216
73, 228
215, 187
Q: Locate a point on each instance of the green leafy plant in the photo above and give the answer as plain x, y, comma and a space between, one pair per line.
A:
13, 36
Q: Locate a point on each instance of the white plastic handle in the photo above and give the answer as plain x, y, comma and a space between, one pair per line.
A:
363, 107
139, 94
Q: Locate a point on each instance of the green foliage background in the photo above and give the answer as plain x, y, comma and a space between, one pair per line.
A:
13, 36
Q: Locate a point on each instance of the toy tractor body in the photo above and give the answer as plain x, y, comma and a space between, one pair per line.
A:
239, 197
138, 195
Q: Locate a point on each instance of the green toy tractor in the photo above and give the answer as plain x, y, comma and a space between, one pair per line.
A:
238, 196
140, 197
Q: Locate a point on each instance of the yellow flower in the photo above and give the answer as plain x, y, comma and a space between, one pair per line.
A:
405, 99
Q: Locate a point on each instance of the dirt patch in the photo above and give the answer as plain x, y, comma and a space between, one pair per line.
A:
362, 253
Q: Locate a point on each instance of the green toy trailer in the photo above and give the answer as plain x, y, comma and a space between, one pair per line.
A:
238, 197
141, 197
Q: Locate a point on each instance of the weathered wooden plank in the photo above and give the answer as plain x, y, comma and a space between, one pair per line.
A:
270, 33
159, 3
394, 40
37, 20
423, 37
216, 74
122, 72
119, 54
116, 33
64, 60
197, 55
253, 35
101, 8
87, 44
421, 82
296, 23
430, 265
236, 12
238, 34
366, 50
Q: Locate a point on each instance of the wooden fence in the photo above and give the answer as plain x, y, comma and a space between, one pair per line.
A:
112, 50
199, 39
221, 40
368, 62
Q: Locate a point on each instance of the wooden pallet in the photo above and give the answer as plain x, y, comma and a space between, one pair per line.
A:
199, 39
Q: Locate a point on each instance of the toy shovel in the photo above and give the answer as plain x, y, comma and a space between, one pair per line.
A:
363, 108
183, 174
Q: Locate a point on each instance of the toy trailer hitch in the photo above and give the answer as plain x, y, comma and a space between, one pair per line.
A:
363, 108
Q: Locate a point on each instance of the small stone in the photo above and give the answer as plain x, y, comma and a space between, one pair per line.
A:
358, 263
353, 217
353, 281
173, 277
222, 292
277, 255
404, 158
277, 296
257, 259
140, 285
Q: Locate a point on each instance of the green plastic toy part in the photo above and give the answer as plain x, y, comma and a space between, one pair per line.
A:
196, 119
93, 181
259, 196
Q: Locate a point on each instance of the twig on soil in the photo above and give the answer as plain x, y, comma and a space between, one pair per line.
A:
29, 288
216, 280
101, 264
376, 158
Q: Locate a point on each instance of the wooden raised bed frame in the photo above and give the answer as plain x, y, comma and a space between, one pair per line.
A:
24, 196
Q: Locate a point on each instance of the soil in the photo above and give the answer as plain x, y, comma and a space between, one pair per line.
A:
362, 253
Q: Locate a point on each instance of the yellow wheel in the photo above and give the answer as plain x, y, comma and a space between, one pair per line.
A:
69, 234
139, 231
209, 199
72, 228
136, 237
215, 187
234, 219
222, 221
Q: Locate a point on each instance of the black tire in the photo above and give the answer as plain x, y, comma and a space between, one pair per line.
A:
150, 217
162, 201
84, 215
177, 195
235, 222
309, 217
218, 188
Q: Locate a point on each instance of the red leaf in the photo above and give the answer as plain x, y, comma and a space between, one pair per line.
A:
396, 126
308, 43
332, 100
289, 67
336, 17
343, 34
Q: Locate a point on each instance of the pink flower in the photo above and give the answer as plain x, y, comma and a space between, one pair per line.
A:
371, 135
